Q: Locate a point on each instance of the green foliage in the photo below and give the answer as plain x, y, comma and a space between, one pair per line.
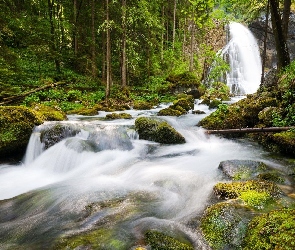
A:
159, 241
275, 230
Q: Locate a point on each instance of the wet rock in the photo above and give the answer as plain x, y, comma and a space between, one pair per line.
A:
198, 112
224, 225
114, 116
243, 169
57, 133
158, 240
158, 131
274, 230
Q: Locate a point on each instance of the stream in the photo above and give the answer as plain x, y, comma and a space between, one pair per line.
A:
98, 174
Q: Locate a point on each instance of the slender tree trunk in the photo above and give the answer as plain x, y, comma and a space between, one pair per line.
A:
108, 56
93, 43
280, 41
124, 59
264, 43
191, 65
52, 34
75, 29
286, 16
163, 34
174, 24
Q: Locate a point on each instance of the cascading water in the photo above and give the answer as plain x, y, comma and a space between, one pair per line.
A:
242, 53
99, 175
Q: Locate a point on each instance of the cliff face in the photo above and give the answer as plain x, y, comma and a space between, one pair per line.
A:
258, 29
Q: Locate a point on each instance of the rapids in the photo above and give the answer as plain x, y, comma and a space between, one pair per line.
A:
147, 185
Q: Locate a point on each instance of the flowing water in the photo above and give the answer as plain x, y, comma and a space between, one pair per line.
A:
242, 53
99, 174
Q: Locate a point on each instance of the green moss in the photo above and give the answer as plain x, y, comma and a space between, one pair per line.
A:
84, 111
96, 239
184, 79
50, 113
214, 104
256, 199
241, 114
142, 105
171, 112
157, 130
275, 230
159, 241
113, 116
16, 125
235, 189
179, 107
224, 225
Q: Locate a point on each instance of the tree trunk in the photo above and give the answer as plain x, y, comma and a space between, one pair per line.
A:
286, 16
264, 42
124, 59
108, 56
191, 65
248, 130
174, 24
283, 57
93, 44
75, 39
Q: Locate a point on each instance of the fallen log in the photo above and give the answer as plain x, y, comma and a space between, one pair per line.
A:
10, 99
248, 130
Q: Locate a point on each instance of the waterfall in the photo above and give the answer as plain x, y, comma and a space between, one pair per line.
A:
242, 53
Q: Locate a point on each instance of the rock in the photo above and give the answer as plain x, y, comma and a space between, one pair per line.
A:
158, 240
114, 116
179, 107
142, 105
158, 131
198, 112
16, 126
224, 225
52, 135
274, 230
249, 170
236, 189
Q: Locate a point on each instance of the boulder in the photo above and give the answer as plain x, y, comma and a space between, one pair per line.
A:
157, 130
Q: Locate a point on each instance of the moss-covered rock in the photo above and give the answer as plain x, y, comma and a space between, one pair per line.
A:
214, 104
84, 111
50, 113
179, 107
224, 225
235, 189
241, 114
16, 125
157, 130
274, 230
114, 116
159, 241
142, 105
242, 170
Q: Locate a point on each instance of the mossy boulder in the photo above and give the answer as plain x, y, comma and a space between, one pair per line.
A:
274, 230
114, 116
142, 105
241, 114
159, 241
50, 113
84, 111
157, 130
242, 170
16, 125
235, 189
224, 225
214, 104
179, 107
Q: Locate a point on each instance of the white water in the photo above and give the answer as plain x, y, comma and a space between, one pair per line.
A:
243, 55
176, 179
